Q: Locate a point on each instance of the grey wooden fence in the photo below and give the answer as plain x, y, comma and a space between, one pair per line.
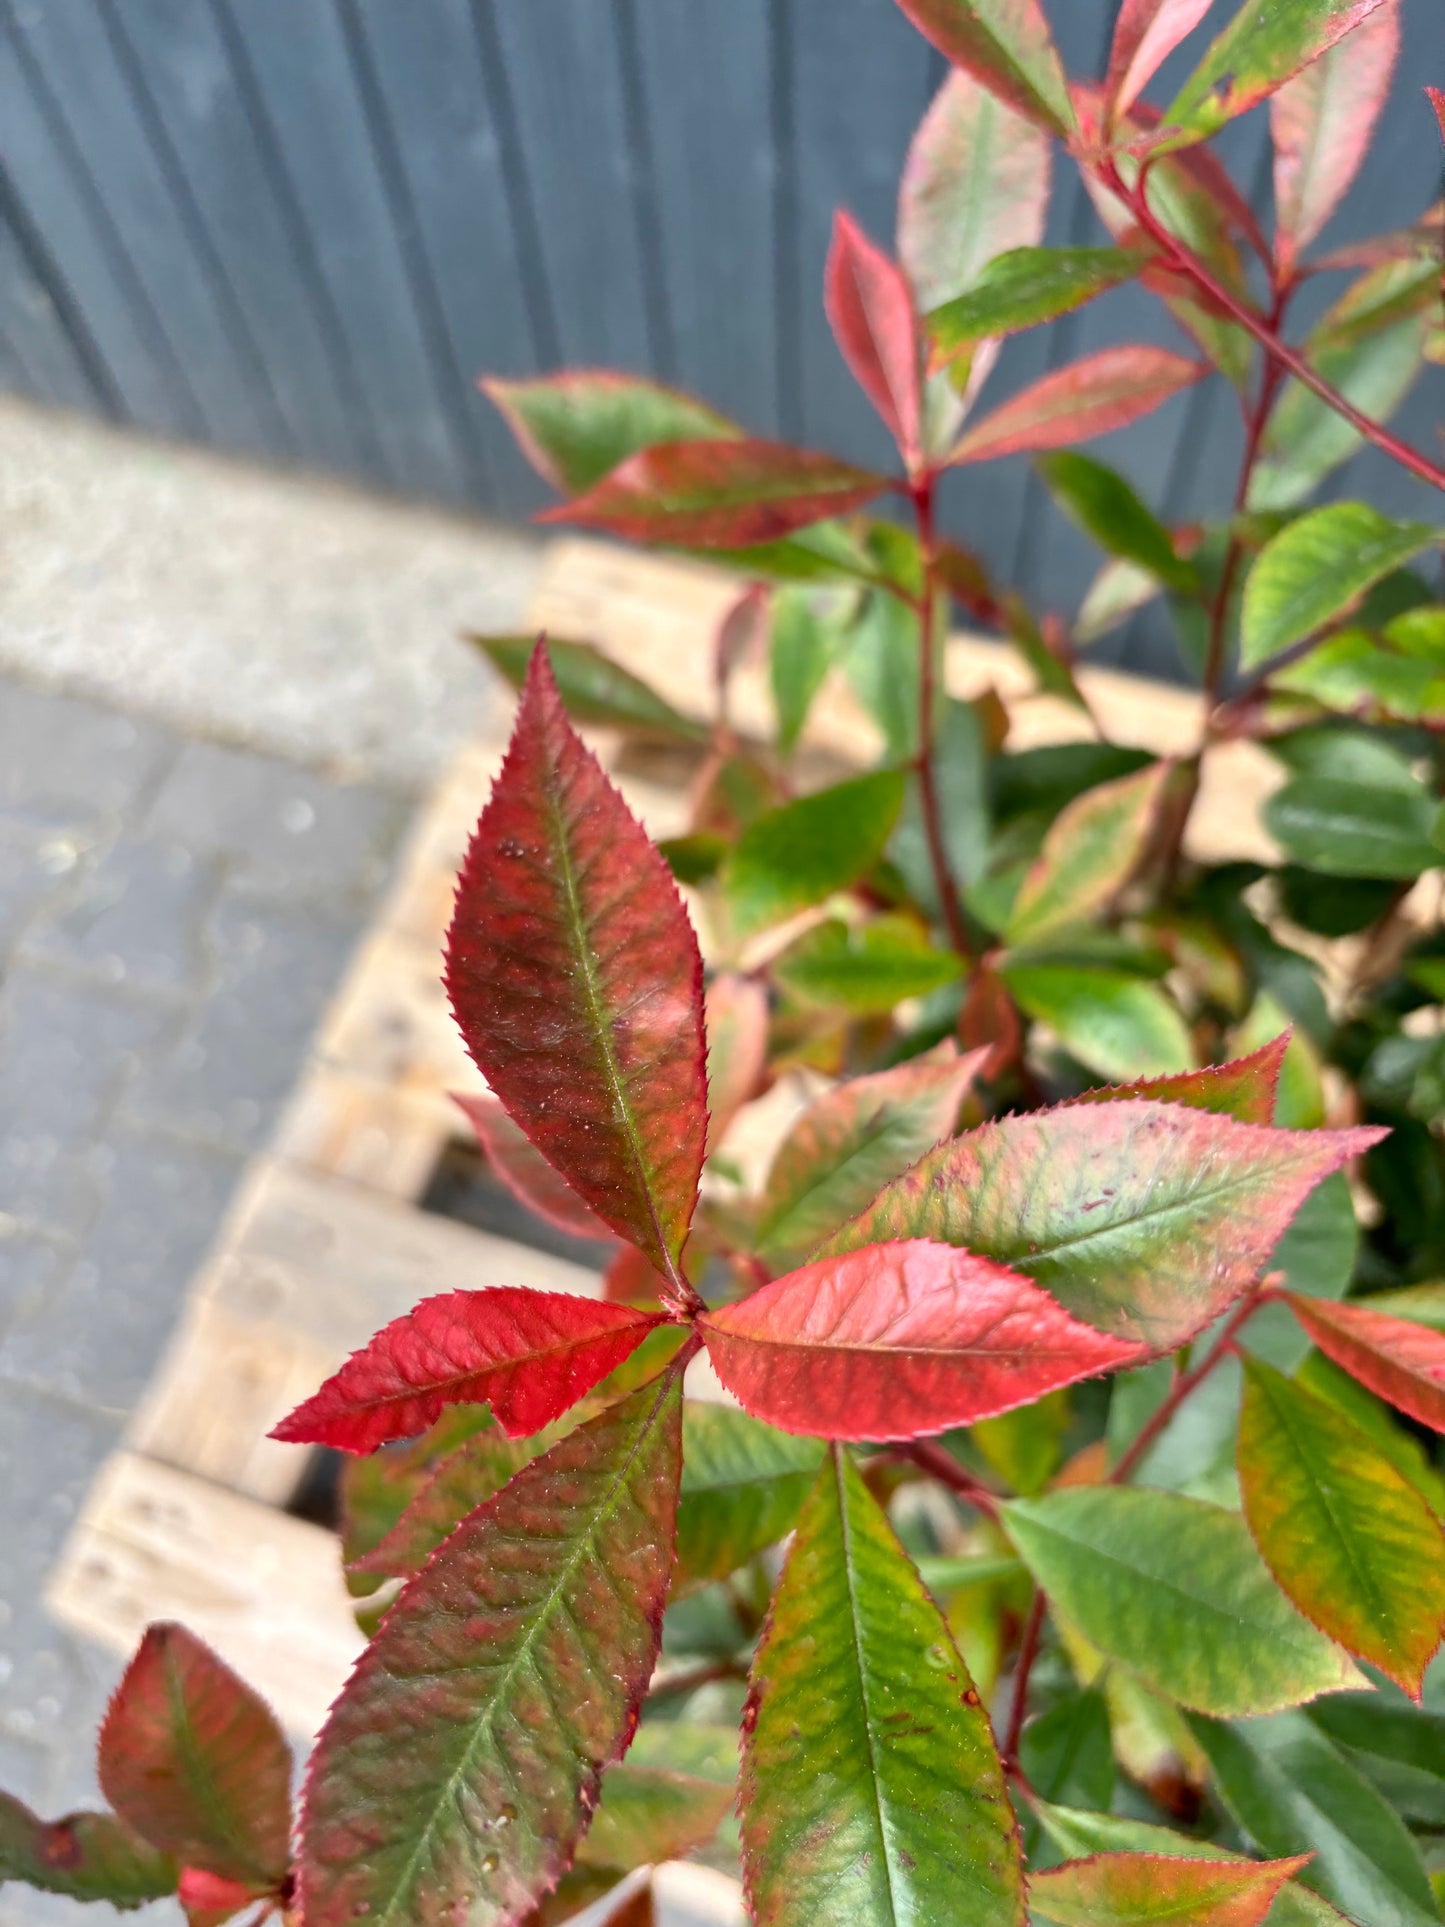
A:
300, 228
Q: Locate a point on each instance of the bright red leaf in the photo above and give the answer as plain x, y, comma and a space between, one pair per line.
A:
1108, 1889
193, 1759
1007, 46
1437, 101
870, 311
719, 495
209, 1899
525, 1172
1399, 1361
1244, 1088
576, 982
1087, 398
898, 1341
630, 1280
530, 1355
1145, 34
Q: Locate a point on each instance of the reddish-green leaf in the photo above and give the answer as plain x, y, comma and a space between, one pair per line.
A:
86, 1856
871, 1794
1006, 45
1119, 1889
1344, 1532
899, 1340
576, 981
1400, 1362
1321, 122
194, 1761
376, 1490
1243, 1089
847, 1145
1146, 32
1146, 1219
870, 311
1087, 398
208, 1898
462, 1481
719, 495
513, 1667
1256, 53
737, 1049
648, 1814
528, 1354
975, 184
524, 1171
1024, 287
1091, 850
576, 427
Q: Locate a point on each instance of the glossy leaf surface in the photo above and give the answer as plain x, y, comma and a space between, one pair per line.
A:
1314, 569
1104, 505
85, 1856
516, 1701
864, 968
1006, 45
193, 1760
1343, 1531
742, 1485
719, 494
576, 427
1255, 54
1091, 849
1174, 1591
1146, 32
847, 1144
1145, 1219
795, 856
1118, 1889
531, 1180
872, 1795
1343, 828
1026, 286
576, 982
1104, 391
870, 311
1110, 1022
593, 688
896, 1341
528, 1354
1400, 1361
1243, 1089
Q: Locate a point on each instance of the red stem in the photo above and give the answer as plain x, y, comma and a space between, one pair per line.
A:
1184, 1384
941, 1465
922, 495
1279, 352
1028, 1653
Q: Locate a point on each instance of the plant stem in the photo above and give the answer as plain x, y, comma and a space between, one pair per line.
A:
952, 906
1183, 1385
1280, 353
696, 1676
1028, 1653
940, 1464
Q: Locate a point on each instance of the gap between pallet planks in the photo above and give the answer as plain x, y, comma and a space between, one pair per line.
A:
325, 1240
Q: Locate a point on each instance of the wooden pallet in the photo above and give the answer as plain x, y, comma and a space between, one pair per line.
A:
326, 1240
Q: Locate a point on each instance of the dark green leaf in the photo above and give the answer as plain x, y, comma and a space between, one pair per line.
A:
592, 687
1399, 1749
742, 1485
864, 968
797, 855
1068, 1753
1315, 568
1104, 505
1025, 286
1353, 830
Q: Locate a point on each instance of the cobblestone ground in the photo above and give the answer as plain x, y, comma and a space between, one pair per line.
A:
173, 918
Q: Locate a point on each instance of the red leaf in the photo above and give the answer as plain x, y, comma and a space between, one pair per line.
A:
1437, 101
1089, 397
1145, 34
1322, 122
525, 1172
209, 1899
576, 982
897, 1341
530, 1355
193, 1759
630, 1280
719, 495
870, 311
1400, 1362
1005, 44
1244, 1088
1150, 1886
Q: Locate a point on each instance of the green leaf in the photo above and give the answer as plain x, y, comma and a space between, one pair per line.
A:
1104, 505
1290, 1791
872, 1793
1256, 53
1399, 1749
1068, 1753
1315, 568
86, 1856
961, 770
576, 427
742, 1485
1088, 855
846, 1146
648, 1814
1005, 44
881, 664
593, 688
864, 968
1175, 1592
1113, 1024
1025, 286
1353, 829
1346, 1535
807, 636
1355, 673
513, 1706
795, 856
1116, 593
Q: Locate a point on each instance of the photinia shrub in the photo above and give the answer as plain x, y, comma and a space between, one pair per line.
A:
1066, 1544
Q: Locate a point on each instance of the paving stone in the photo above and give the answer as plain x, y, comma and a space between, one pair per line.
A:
35, 864
30, 1272
66, 1051
26, 1771
68, 762
99, 1335
283, 828
276, 965
133, 916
